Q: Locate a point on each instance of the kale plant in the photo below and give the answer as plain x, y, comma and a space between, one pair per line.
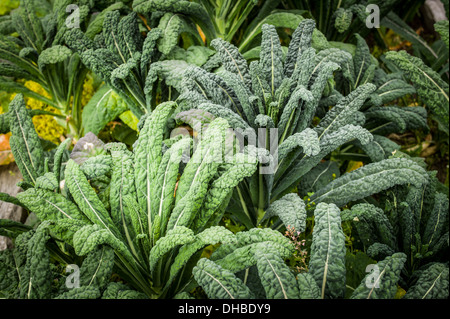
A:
426, 67
286, 92
380, 114
339, 20
411, 220
253, 268
29, 271
135, 67
134, 202
238, 22
434, 55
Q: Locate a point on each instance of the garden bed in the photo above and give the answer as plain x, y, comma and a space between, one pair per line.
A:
216, 149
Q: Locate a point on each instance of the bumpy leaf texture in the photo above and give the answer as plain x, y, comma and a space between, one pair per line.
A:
327, 261
307, 286
219, 283
431, 88
35, 280
291, 210
432, 284
276, 277
372, 224
87, 200
117, 290
25, 143
382, 283
371, 179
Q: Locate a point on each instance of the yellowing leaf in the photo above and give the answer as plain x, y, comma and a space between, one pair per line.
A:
7, 5
201, 34
352, 165
400, 293
129, 119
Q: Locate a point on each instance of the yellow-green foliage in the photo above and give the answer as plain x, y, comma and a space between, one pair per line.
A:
7, 5
45, 125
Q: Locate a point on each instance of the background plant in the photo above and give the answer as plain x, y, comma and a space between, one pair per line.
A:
152, 213
339, 20
134, 67
384, 112
38, 54
238, 22
435, 54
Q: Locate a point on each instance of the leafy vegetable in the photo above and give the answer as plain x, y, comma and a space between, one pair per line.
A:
27, 271
327, 265
338, 20
430, 87
326, 277
38, 54
132, 66
432, 284
155, 223
412, 221
286, 93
